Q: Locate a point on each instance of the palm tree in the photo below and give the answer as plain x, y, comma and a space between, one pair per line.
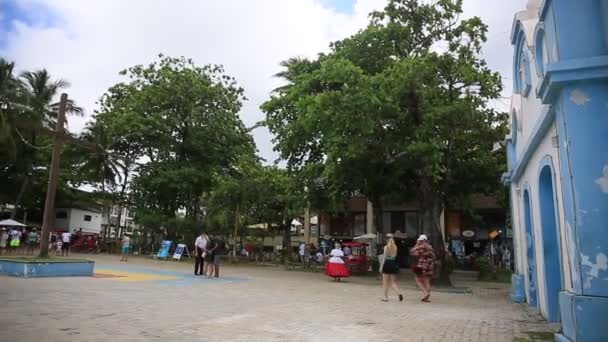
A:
294, 67
103, 162
41, 91
9, 101
35, 114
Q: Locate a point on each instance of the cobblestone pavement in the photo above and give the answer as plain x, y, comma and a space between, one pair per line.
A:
165, 302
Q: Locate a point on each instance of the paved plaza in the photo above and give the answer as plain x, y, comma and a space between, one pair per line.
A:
147, 300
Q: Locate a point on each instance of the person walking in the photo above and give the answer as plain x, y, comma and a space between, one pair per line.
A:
425, 265
199, 247
126, 245
390, 269
66, 239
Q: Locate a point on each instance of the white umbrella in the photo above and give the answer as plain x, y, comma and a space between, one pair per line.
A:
368, 236
11, 223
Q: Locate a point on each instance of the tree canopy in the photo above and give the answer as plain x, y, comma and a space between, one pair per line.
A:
400, 110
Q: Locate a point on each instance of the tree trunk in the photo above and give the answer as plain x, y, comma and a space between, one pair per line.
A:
432, 228
20, 197
286, 242
431, 205
49, 204
378, 213
236, 227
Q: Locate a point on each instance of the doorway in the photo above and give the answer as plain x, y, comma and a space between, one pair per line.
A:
531, 255
551, 250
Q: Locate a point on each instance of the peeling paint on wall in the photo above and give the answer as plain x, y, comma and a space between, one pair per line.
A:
570, 245
603, 180
579, 98
600, 264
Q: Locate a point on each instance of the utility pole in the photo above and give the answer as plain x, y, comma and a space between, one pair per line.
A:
49, 204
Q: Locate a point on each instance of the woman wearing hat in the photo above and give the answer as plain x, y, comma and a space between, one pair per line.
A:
425, 265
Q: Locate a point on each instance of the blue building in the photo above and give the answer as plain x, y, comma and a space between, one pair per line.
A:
558, 164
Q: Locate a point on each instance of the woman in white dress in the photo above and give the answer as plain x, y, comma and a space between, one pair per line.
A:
336, 267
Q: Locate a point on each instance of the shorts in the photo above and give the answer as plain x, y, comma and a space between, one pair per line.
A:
15, 243
208, 257
390, 267
125, 250
66, 246
217, 259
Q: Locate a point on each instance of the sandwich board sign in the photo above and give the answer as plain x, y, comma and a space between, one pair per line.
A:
179, 251
163, 252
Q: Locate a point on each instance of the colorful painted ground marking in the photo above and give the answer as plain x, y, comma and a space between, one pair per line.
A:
137, 274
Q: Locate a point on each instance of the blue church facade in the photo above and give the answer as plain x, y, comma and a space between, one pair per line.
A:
558, 164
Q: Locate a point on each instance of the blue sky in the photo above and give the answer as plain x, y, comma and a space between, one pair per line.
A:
342, 6
31, 14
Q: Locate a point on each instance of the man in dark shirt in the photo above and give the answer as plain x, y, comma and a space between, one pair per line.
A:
218, 254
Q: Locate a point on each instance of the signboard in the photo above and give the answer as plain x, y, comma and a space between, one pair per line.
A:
163, 252
468, 233
179, 251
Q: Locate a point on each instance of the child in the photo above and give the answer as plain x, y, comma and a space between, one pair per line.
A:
126, 244
59, 243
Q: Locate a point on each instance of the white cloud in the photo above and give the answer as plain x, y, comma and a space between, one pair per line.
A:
98, 38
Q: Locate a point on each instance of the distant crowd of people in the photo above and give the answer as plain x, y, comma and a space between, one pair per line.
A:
24, 241
18, 240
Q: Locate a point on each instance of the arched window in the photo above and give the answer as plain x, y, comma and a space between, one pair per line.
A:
540, 50
521, 68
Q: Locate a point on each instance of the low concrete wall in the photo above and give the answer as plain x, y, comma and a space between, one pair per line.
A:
33, 269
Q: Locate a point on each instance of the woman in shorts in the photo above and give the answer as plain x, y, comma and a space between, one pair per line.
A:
390, 269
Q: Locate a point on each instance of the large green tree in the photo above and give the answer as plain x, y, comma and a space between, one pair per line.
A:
176, 124
400, 110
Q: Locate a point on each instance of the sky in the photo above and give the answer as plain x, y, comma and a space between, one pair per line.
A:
89, 42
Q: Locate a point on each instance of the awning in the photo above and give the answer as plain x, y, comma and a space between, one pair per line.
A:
368, 236
11, 223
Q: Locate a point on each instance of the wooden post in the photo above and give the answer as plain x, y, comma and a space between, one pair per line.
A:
236, 228
307, 225
51, 190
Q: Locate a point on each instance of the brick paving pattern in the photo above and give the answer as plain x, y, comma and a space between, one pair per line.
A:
251, 304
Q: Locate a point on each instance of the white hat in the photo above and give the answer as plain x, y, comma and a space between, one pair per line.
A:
423, 238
